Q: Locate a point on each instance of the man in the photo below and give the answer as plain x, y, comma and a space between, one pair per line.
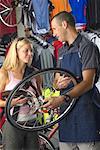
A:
80, 130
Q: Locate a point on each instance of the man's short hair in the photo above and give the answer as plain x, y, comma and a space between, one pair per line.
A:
65, 16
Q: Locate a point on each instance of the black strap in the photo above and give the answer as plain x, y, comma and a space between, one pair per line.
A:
29, 70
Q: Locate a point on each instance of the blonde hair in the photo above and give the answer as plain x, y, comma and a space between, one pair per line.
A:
12, 61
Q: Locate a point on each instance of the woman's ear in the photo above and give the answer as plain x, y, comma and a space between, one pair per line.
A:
64, 24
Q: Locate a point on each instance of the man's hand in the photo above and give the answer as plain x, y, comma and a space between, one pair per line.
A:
62, 82
53, 102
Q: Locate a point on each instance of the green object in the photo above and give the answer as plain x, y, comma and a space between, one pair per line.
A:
49, 92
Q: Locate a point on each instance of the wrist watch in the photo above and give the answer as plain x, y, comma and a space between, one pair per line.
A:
67, 98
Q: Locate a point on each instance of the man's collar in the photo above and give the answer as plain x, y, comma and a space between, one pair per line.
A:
76, 41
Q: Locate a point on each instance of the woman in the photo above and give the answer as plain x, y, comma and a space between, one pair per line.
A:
11, 73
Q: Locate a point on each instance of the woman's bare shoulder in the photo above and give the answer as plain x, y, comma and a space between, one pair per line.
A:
3, 75
3, 72
3, 78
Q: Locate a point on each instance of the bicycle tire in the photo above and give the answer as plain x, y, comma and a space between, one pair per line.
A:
36, 121
45, 143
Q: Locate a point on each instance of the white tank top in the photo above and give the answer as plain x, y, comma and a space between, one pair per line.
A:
13, 82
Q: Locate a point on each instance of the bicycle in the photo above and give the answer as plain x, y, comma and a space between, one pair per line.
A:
8, 11
25, 10
24, 7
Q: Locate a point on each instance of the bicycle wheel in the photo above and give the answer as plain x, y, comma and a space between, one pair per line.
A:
45, 143
31, 115
8, 12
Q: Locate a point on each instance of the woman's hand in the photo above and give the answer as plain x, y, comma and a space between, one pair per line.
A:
19, 100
